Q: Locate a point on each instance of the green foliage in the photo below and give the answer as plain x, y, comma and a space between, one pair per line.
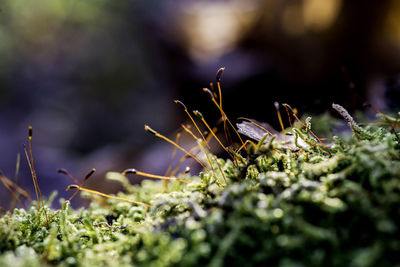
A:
306, 206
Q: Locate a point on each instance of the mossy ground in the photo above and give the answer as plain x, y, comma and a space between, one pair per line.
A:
279, 206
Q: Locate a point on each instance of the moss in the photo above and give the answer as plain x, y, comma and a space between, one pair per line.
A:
312, 205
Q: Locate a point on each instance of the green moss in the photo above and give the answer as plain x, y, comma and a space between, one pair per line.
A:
280, 206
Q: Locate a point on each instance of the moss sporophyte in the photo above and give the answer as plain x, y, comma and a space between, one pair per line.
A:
285, 198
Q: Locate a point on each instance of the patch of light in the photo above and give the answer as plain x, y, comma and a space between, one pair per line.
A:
319, 15
298, 18
213, 28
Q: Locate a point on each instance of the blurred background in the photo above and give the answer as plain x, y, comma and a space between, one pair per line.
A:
87, 75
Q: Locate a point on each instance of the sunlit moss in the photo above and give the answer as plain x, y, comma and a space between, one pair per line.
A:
333, 206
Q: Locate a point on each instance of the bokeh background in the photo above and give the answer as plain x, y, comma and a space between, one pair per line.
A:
87, 75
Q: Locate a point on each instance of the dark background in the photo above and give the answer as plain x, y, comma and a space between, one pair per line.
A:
87, 75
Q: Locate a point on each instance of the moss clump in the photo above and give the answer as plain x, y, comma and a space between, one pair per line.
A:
281, 205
